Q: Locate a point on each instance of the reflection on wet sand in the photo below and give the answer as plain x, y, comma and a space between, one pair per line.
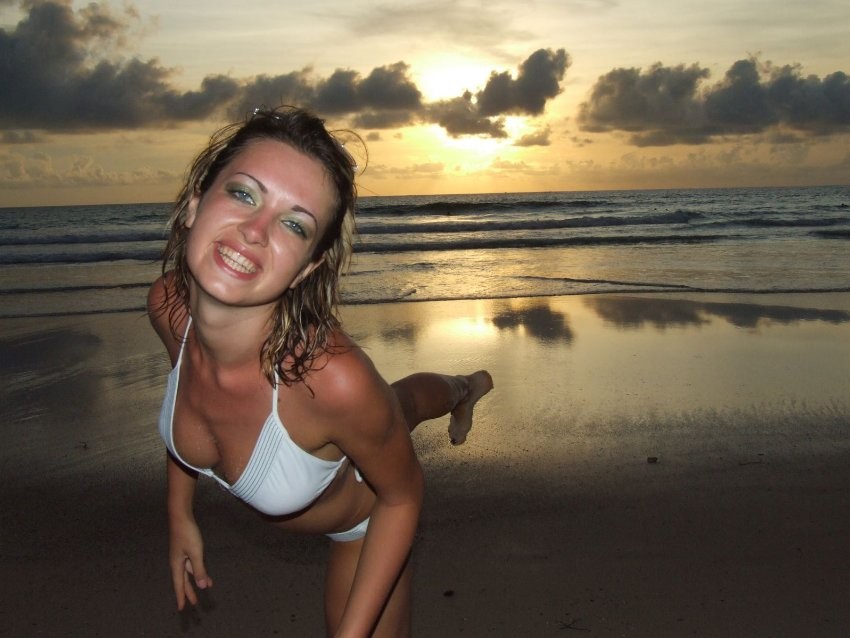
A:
44, 374
634, 312
535, 318
47, 350
405, 333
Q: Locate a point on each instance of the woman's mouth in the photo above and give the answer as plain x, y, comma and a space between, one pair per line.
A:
236, 261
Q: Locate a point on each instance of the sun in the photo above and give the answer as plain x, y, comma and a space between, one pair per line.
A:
446, 76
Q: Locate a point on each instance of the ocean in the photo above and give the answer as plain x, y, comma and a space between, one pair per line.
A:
100, 259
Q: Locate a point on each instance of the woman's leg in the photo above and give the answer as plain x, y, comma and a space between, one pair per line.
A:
426, 395
395, 620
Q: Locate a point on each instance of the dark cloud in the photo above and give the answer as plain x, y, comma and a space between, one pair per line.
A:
269, 91
808, 103
739, 104
670, 105
383, 119
386, 98
339, 94
539, 79
390, 88
52, 78
660, 100
460, 116
62, 70
387, 88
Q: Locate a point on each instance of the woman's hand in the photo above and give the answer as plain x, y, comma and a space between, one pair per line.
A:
186, 556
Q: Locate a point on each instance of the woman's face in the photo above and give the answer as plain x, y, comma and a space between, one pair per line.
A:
253, 232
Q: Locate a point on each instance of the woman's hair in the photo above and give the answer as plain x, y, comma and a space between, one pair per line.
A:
304, 315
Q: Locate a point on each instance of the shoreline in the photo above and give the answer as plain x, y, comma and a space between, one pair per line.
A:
638, 292
551, 518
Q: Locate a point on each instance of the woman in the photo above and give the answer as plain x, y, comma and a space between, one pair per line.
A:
268, 395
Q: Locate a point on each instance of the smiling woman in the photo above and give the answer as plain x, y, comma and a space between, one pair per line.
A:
267, 395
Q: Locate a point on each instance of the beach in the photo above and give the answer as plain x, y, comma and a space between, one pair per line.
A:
648, 465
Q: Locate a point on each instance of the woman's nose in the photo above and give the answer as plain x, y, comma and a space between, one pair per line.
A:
255, 229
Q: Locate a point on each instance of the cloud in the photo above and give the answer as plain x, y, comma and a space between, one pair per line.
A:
539, 79
473, 24
264, 90
502, 166
460, 116
427, 170
61, 69
20, 137
38, 169
383, 119
537, 138
53, 75
671, 105
386, 98
386, 88
660, 101
390, 88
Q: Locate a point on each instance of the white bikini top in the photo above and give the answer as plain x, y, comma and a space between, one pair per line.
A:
280, 477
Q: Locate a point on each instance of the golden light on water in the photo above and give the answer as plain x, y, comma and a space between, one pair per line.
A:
473, 326
478, 328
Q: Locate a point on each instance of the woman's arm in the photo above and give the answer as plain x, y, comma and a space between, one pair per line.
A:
370, 429
386, 547
186, 547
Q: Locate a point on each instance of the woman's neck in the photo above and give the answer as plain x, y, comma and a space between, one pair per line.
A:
230, 336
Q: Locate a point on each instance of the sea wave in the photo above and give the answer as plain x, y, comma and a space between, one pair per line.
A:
675, 218
394, 245
73, 288
831, 234
58, 256
530, 242
376, 207
95, 237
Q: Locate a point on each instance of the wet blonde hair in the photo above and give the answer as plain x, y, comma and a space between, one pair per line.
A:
306, 315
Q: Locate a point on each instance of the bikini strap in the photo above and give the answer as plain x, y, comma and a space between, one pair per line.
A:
183, 342
274, 395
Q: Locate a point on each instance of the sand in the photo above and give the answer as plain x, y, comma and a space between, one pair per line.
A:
657, 465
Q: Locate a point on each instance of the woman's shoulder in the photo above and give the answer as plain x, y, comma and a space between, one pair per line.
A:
345, 378
162, 301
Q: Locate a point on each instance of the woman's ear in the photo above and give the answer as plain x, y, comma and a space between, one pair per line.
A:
305, 272
191, 211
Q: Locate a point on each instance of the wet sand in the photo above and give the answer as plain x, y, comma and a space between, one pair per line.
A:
658, 465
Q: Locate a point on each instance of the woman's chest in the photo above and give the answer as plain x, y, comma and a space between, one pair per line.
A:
218, 427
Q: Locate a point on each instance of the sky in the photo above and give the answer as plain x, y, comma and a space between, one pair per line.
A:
108, 102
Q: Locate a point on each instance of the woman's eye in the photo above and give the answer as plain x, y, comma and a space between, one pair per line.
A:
242, 195
295, 227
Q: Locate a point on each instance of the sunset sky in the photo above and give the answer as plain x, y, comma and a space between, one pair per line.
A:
107, 102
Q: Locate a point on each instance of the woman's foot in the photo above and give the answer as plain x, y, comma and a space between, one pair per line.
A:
479, 384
